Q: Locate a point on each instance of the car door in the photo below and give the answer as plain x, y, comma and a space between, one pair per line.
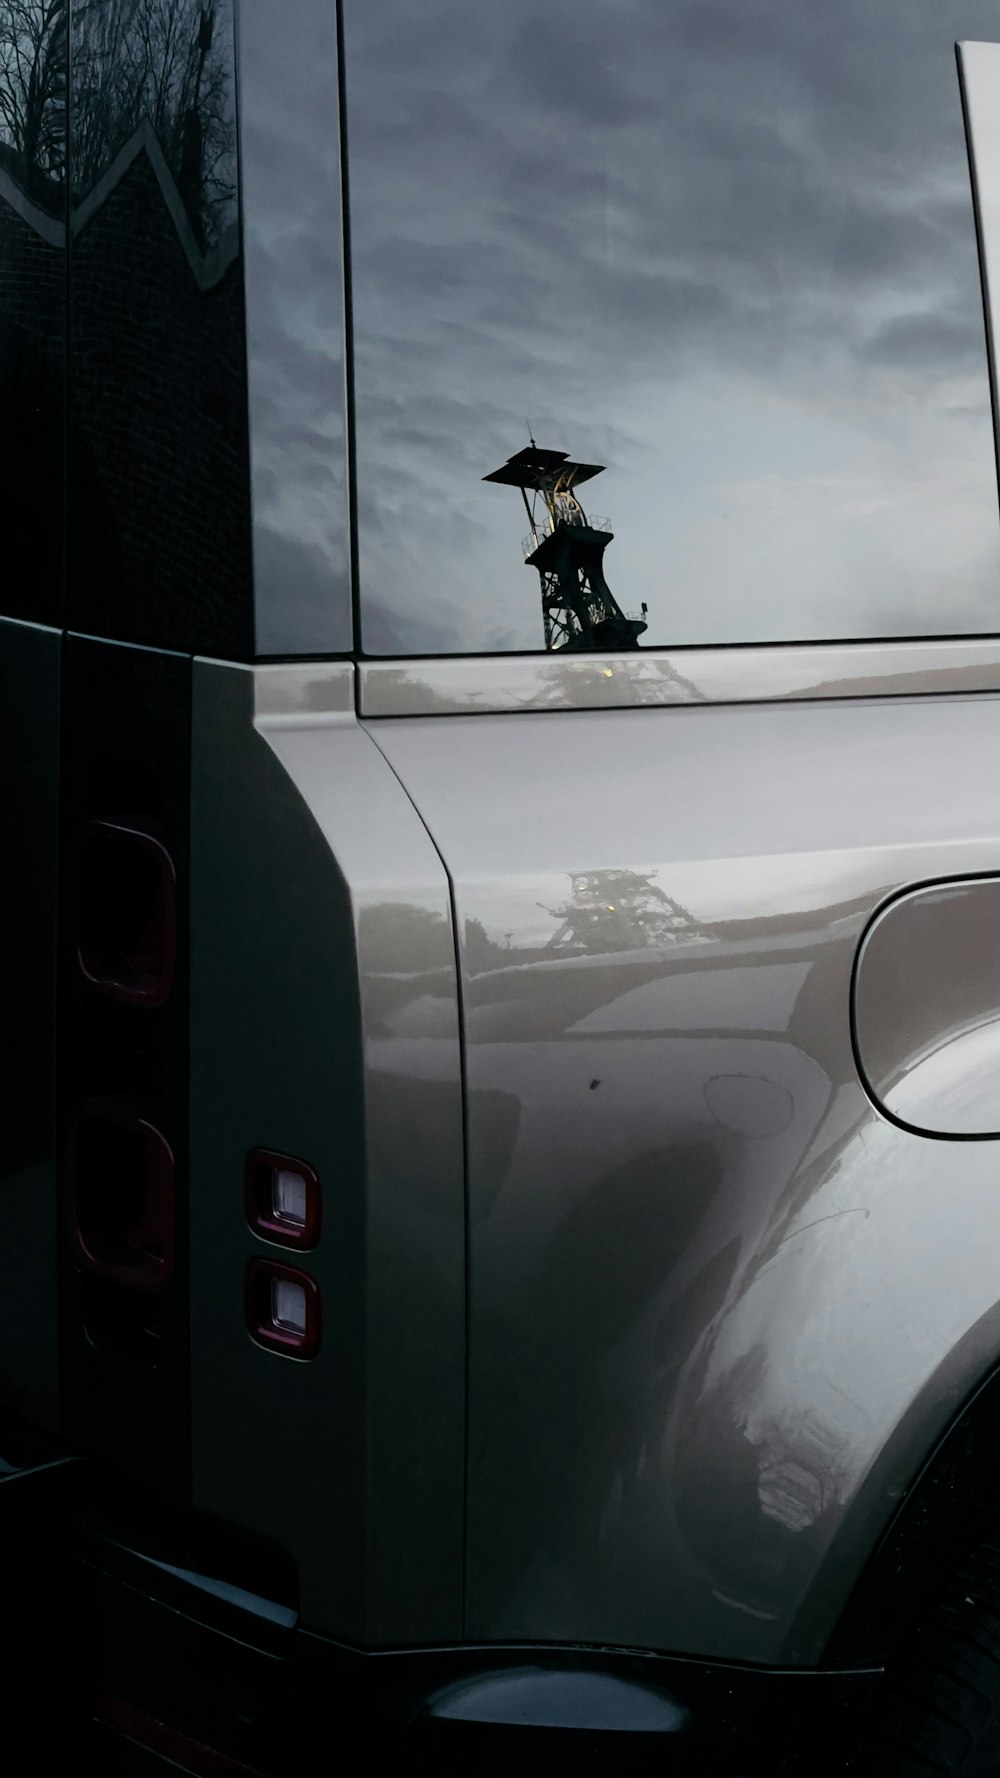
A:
723, 1300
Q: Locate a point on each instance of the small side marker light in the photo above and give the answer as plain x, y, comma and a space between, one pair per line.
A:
289, 1196
282, 1198
283, 1308
288, 1306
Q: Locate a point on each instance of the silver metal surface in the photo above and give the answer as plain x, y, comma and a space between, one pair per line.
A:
927, 1009
721, 1309
308, 693
453, 685
325, 1026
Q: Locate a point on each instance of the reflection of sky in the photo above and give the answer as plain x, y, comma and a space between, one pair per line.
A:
294, 280
727, 253
953, 1089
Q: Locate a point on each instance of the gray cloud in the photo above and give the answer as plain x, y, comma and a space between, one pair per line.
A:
727, 250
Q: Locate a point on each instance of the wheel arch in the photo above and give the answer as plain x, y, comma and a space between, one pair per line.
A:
953, 1493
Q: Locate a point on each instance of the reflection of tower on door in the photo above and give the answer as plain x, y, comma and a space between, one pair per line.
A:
579, 610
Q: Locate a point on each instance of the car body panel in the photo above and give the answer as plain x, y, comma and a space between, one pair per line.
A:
639, 1315
490, 684
325, 1026
927, 1009
720, 1309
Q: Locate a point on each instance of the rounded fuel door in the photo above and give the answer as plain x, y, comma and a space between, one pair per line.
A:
927, 1009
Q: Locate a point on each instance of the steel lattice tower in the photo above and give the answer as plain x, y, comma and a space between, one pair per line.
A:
579, 610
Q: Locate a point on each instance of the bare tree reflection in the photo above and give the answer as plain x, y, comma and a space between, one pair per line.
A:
165, 61
158, 495
33, 96
407, 939
33, 63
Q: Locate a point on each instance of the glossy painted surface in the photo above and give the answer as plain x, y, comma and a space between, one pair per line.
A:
927, 1009
293, 234
325, 1022
597, 1701
32, 310
443, 687
29, 735
720, 1309
307, 693
720, 253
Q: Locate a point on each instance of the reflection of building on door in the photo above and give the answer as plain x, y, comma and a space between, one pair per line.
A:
620, 910
579, 610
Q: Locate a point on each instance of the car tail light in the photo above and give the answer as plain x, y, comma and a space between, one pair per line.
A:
283, 1308
282, 1198
122, 1199
127, 914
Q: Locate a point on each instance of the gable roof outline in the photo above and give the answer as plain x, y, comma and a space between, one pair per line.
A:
207, 267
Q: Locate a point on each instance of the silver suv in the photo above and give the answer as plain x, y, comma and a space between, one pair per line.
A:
500, 1219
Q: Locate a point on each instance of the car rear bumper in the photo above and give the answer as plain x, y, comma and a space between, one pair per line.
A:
132, 1652
260, 1701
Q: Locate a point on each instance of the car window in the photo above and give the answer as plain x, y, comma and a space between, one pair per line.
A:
293, 233
207, 464
157, 465
706, 271
32, 309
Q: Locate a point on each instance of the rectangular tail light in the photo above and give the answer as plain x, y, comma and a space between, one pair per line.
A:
282, 1197
122, 1199
283, 1308
127, 914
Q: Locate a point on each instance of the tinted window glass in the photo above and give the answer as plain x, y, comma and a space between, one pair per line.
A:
158, 477
724, 251
293, 232
32, 307
191, 529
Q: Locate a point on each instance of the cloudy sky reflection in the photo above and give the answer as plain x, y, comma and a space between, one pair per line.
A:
725, 249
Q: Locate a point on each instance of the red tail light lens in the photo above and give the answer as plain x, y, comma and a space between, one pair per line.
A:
127, 914
122, 1208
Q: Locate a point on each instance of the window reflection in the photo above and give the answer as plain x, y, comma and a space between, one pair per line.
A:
32, 304
579, 610
208, 505
158, 450
734, 261
167, 64
620, 910
293, 234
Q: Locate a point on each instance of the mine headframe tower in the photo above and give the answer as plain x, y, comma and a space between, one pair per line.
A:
579, 610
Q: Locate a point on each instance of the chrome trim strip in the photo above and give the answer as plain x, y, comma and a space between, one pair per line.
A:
465, 686
16, 624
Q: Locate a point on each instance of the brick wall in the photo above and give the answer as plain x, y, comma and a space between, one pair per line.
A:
159, 496
160, 503
32, 376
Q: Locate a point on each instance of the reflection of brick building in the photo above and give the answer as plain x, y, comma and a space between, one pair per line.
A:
159, 504
32, 274
32, 378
